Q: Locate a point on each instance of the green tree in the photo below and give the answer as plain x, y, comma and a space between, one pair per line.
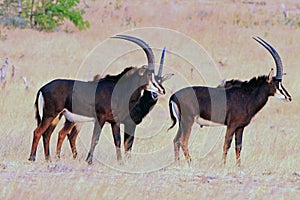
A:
48, 15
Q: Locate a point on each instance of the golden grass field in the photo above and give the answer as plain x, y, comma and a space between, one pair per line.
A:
223, 30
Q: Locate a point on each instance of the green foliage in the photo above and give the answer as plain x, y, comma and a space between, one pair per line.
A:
48, 15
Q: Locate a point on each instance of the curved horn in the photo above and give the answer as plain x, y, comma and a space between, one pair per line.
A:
144, 45
279, 67
161, 64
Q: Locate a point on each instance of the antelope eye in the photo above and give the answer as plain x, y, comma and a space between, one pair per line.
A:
154, 95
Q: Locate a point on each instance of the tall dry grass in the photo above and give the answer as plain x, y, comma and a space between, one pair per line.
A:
270, 155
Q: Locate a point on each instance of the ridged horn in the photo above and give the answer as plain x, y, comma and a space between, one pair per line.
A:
161, 64
279, 67
144, 45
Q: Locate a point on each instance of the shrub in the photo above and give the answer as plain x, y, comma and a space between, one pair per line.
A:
42, 14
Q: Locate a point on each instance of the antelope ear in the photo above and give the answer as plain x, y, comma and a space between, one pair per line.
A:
270, 76
142, 70
166, 77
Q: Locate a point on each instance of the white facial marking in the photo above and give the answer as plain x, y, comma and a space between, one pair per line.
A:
279, 95
154, 88
204, 122
75, 117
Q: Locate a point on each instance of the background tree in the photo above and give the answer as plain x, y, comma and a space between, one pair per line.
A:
43, 14
48, 14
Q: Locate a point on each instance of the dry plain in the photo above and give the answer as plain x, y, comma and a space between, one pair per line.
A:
223, 30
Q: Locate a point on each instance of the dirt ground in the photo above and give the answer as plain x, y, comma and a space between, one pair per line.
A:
207, 41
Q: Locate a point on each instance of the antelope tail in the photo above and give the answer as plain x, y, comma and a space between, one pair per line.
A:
174, 108
39, 98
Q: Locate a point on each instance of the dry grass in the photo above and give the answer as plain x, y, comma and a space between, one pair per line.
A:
270, 156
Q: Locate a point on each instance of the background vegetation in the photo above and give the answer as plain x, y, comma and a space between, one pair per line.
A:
270, 155
42, 14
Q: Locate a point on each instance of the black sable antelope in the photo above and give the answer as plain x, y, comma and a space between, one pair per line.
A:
141, 108
234, 105
137, 113
109, 100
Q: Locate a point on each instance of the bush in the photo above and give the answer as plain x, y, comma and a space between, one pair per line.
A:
49, 15
42, 14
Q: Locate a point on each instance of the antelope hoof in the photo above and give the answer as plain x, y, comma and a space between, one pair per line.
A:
47, 158
238, 163
223, 163
32, 158
121, 162
189, 163
127, 155
75, 155
89, 159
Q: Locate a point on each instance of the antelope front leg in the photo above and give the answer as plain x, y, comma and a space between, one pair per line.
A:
95, 140
227, 142
129, 137
238, 145
117, 139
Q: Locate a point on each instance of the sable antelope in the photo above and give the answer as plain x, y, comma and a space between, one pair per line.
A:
137, 113
109, 100
141, 108
233, 105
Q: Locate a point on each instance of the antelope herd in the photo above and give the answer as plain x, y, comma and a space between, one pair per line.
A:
128, 97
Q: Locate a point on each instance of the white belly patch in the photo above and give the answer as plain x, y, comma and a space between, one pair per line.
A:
72, 117
205, 122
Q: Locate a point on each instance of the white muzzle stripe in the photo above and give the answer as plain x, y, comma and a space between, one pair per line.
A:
153, 86
281, 94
